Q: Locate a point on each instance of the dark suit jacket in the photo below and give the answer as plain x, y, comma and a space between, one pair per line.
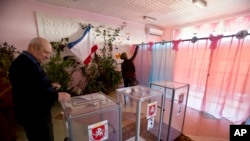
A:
33, 94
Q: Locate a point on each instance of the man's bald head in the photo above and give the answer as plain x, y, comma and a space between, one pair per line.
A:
40, 48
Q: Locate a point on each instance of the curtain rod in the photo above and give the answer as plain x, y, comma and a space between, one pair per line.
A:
204, 38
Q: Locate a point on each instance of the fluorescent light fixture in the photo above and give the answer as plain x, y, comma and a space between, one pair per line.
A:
149, 18
200, 3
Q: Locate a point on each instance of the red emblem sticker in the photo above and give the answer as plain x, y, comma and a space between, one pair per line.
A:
181, 97
98, 131
151, 110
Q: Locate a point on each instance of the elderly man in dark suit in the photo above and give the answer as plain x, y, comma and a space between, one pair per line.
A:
33, 93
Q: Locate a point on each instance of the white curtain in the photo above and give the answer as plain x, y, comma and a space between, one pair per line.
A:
143, 64
162, 62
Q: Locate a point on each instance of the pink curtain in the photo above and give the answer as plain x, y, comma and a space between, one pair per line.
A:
191, 66
228, 85
219, 77
225, 27
217, 69
232, 26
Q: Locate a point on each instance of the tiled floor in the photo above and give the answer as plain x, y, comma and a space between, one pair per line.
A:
198, 126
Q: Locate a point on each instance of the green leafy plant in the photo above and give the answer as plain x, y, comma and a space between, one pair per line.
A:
7, 55
60, 68
101, 74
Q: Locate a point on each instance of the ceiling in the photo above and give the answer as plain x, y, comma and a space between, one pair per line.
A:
168, 13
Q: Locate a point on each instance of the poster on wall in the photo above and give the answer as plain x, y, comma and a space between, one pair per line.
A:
98, 131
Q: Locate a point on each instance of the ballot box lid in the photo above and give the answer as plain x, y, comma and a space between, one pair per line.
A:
89, 103
169, 84
139, 92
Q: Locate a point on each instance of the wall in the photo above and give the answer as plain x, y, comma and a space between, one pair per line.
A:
17, 24
18, 21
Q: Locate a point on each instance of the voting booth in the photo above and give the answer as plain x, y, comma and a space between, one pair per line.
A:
176, 96
92, 117
142, 102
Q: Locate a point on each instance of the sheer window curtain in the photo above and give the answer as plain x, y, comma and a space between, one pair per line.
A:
219, 77
191, 67
154, 63
142, 63
162, 62
227, 91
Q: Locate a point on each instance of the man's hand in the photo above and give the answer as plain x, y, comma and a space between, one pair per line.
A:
64, 97
56, 86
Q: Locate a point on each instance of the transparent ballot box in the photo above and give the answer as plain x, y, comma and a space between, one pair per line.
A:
92, 117
176, 96
139, 112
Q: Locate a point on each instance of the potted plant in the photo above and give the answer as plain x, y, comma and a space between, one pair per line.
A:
7, 120
101, 74
60, 68
7, 55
